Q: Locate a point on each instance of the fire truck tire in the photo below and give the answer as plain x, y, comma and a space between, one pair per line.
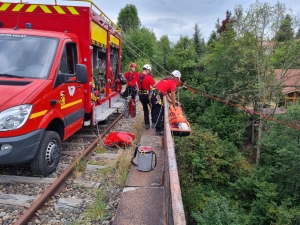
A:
48, 154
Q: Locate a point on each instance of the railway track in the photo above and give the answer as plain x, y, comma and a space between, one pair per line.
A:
81, 176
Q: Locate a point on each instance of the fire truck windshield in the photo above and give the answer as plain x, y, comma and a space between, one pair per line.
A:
26, 56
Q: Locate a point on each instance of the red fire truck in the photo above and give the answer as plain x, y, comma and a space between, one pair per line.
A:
58, 68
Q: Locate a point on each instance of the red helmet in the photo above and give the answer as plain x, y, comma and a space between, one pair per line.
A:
132, 65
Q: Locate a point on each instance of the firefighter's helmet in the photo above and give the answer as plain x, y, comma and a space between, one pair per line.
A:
147, 67
133, 65
176, 73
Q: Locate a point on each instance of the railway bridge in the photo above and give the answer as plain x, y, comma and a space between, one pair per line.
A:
153, 197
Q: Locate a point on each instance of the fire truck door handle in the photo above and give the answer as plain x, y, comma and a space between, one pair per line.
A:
79, 86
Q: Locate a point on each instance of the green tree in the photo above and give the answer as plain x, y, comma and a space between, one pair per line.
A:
286, 55
217, 212
182, 57
198, 42
164, 50
205, 163
297, 36
281, 155
213, 36
285, 31
128, 18
138, 46
261, 23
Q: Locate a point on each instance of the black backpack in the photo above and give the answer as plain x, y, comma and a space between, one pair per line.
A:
122, 79
142, 76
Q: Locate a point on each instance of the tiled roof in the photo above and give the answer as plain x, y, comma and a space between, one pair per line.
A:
288, 78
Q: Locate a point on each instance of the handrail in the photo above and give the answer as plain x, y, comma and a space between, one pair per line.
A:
173, 200
102, 14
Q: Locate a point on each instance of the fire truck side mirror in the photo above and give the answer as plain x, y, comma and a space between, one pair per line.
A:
81, 74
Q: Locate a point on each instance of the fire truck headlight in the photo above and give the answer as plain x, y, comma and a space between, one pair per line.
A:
15, 117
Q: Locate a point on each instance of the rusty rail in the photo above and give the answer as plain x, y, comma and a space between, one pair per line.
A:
26, 217
173, 201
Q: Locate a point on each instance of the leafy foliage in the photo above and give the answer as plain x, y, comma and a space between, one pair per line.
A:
224, 120
182, 56
285, 32
217, 212
198, 43
281, 155
287, 55
205, 159
128, 19
225, 23
136, 44
219, 185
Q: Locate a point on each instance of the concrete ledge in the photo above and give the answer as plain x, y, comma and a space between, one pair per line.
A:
142, 201
141, 206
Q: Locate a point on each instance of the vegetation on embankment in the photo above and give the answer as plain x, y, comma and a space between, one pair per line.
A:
235, 167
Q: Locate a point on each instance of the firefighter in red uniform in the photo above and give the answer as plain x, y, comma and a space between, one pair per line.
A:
163, 87
145, 83
132, 80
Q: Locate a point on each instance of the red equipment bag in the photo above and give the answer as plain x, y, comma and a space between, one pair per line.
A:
119, 138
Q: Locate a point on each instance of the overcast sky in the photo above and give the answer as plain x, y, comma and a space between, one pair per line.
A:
175, 17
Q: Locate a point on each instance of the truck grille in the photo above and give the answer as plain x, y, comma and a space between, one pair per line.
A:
14, 83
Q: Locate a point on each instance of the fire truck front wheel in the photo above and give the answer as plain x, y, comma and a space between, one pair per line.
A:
48, 154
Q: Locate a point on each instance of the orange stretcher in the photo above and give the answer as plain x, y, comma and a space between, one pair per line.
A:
179, 124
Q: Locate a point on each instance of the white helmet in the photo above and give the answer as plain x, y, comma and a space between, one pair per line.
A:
147, 67
183, 126
176, 73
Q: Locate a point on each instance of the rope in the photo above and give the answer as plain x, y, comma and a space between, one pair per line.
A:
270, 118
151, 59
135, 53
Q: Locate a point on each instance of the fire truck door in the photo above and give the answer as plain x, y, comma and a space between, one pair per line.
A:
71, 93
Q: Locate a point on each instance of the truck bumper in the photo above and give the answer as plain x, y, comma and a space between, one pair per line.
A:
23, 148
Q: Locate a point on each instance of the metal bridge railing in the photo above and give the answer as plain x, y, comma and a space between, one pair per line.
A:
173, 201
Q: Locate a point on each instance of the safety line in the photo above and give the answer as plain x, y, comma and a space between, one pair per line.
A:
146, 55
241, 107
134, 52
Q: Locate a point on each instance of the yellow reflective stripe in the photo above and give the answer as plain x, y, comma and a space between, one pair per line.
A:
45, 9
38, 114
4, 6
72, 10
31, 8
59, 9
18, 7
70, 104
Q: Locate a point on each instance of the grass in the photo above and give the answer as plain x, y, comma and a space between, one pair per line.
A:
100, 149
122, 166
79, 168
116, 172
97, 208
96, 211
125, 155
